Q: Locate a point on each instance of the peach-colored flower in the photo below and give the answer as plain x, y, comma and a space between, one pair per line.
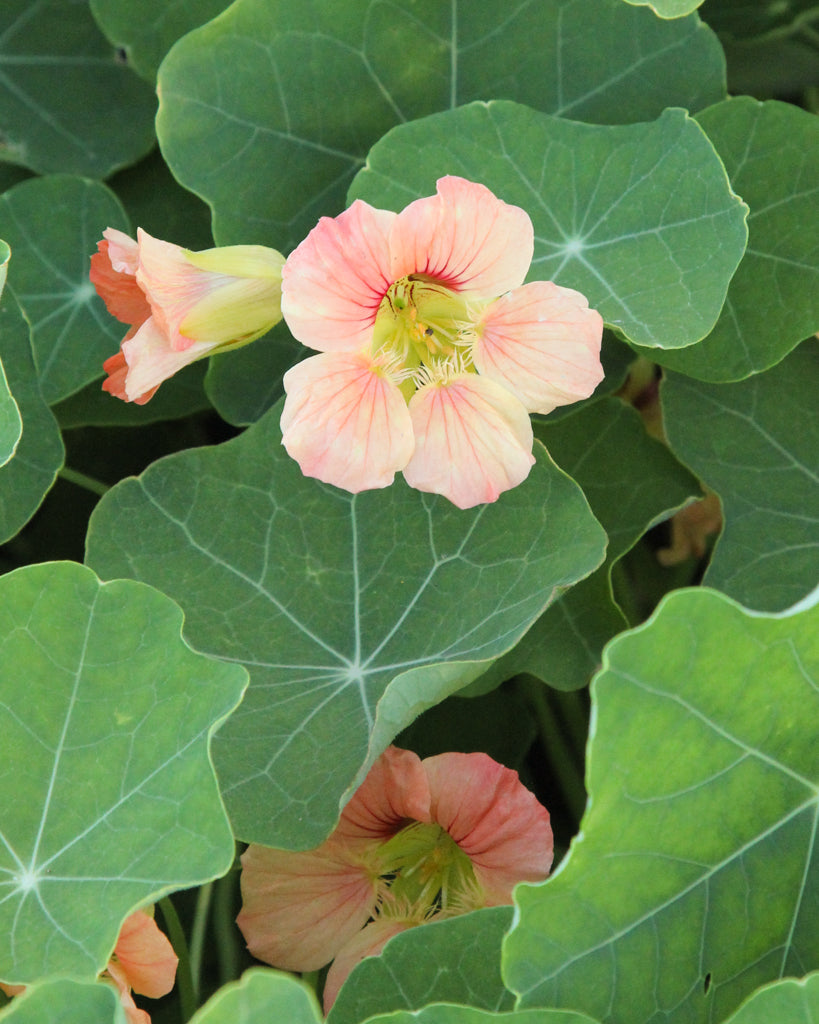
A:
143, 961
418, 840
433, 351
181, 305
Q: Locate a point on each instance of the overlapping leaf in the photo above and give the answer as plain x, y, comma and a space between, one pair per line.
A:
261, 995
353, 613
269, 110
446, 1013
110, 797
26, 478
71, 331
668, 8
452, 961
771, 153
66, 1002
756, 443
67, 103
11, 426
742, 20
639, 218
786, 1002
694, 877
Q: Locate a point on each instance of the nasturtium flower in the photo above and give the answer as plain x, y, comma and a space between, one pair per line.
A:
420, 840
433, 350
143, 961
181, 305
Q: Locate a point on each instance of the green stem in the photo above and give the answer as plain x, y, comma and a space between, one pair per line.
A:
184, 979
558, 751
200, 920
73, 476
227, 942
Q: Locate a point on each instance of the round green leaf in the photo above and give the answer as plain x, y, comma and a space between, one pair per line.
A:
756, 443
26, 478
353, 613
771, 153
693, 879
785, 1002
67, 103
65, 1002
668, 8
111, 800
269, 110
452, 961
445, 1013
261, 995
624, 214
147, 30
71, 331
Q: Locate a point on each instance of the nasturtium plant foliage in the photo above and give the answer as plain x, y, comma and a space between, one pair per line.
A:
431, 443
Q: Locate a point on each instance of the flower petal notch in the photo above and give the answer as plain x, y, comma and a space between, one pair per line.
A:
418, 841
181, 305
426, 309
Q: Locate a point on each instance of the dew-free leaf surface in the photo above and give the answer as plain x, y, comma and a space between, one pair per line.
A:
11, 426
269, 110
771, 153
71, 331
756, 443
353, 613
668, 8
639, 218
67, 103
444, 1013
452, 961
261, 995
110, 800
786, 1002
694, 878
65, 1002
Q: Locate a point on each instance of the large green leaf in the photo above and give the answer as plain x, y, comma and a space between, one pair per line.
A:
25, 479
261, 995
783, 1002
147, 30
65, 1002
71, 331
756, 443
67, 103
11, 426
446, 1013
268, 111
452, 961
640, 218
110, 796
353, 613
695, 877
668, 8
771, 153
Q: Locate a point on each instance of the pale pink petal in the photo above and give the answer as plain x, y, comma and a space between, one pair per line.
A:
394, 792
144, 956
464, 237
345, 422
122, 296
473, 440
542, 342
333, 283
299, 909
123, 251
368, 942
493, 818
133, 1014
150, 360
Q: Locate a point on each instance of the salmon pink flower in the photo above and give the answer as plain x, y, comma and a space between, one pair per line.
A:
433, 350
419, 840
180, 305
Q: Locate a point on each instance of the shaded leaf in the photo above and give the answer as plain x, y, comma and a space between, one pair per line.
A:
111, 797
11, 426
639, 218
741, 20
353, 613
668, 8
693, 879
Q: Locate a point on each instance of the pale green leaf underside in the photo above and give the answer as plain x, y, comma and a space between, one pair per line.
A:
269, 110
756, 443
771, 153
694, 878
66, 102
452, 961
11, 425
353, 613
26, 478
71, 331
65, 1002
668, 8
639, 218
110, 796
783, 1002
261, 995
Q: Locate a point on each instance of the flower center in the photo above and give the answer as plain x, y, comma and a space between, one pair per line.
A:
423, 323
424, 872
